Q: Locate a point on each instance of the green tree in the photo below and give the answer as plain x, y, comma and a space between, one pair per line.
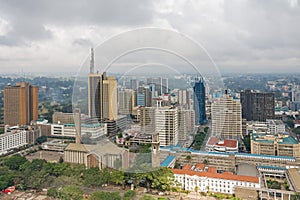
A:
93, 177
33, 174
116, 177
14, 162
296, 196
162, 179
99, 195
52, 192
297, 130
188, 157
246, 141
290, 123
206, 129
147, 197
71, 192
130, 194
6, 178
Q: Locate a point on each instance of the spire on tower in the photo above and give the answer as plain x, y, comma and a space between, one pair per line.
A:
92, 62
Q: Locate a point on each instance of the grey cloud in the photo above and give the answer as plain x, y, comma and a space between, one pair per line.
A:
83, 42
266, 24
28, 18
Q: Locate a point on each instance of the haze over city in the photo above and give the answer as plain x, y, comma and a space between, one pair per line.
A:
241, 36
150, 100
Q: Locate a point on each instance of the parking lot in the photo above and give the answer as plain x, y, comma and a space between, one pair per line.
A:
49, 156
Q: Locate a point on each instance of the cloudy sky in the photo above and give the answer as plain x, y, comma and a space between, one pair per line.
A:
240, 35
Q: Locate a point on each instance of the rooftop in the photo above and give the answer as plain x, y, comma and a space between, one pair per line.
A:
76, 147
167, 161
212, 173
280, 138
177, 148
294, 175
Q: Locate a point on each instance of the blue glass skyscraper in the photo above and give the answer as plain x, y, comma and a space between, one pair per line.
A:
199, 102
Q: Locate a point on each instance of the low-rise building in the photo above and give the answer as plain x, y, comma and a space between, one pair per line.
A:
94, 131
54, 145
12, 140
32, 132
207, 179
277, 145
257, 128
217, 145
102, 155
276, 126
293, 175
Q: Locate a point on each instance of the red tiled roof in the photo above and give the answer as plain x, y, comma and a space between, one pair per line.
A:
228, 143
230, 173
212, 170
200, 166
213, 140
187, 167
225, 176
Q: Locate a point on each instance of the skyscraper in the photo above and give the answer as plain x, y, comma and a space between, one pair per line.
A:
199, 102
126, 99
102, 97
295, 105
143, 97
186, 123
166, 125
20, 104
147, 119
257, 106
226, 117
184, 98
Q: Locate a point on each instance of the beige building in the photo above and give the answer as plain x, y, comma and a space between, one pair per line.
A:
277, 145
20, 104
102, 96
126, 101
62, 118
102, 155
147, 119
186, 122
226, 118
166, 125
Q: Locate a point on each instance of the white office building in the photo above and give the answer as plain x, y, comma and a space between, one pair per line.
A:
95, 131
166, 125
275, 126
205, 179
12, 140
226, 118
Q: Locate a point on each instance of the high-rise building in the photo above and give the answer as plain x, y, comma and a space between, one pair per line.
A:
226, 118
257, 106
161, 84
295, 105
143, 97
20, 104
102, 96
184, 98
166, 125
147, 119
134, 84
199, 102
186, 122
126, 99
